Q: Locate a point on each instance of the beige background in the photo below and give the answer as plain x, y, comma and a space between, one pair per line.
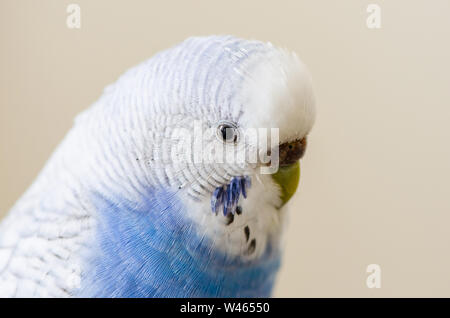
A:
375, 184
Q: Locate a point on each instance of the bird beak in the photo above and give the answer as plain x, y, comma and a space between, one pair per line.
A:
288, 174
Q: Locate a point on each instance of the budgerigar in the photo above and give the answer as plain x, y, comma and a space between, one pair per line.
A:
123, 209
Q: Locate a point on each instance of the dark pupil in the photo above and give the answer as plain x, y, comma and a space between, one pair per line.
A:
227, 133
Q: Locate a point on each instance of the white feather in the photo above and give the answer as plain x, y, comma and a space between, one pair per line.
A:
118, 146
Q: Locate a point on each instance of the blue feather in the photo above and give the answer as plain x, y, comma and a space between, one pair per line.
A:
228, 195
243, 187
216, 199
151, 249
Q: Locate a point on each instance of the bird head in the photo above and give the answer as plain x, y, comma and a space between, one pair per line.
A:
222, 122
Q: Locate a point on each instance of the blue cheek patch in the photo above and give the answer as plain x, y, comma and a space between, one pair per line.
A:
228, 195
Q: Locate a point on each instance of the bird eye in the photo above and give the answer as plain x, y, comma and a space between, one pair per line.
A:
228, 132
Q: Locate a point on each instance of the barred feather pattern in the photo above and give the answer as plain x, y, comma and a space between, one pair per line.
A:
120, 148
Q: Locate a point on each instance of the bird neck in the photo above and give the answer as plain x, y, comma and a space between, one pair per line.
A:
151, 249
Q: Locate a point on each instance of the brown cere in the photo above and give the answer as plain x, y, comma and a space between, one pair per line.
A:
290, 152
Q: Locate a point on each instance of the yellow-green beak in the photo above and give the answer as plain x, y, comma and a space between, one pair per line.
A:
288, 174
287, 177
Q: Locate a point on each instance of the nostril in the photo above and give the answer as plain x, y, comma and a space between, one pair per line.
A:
290, 152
